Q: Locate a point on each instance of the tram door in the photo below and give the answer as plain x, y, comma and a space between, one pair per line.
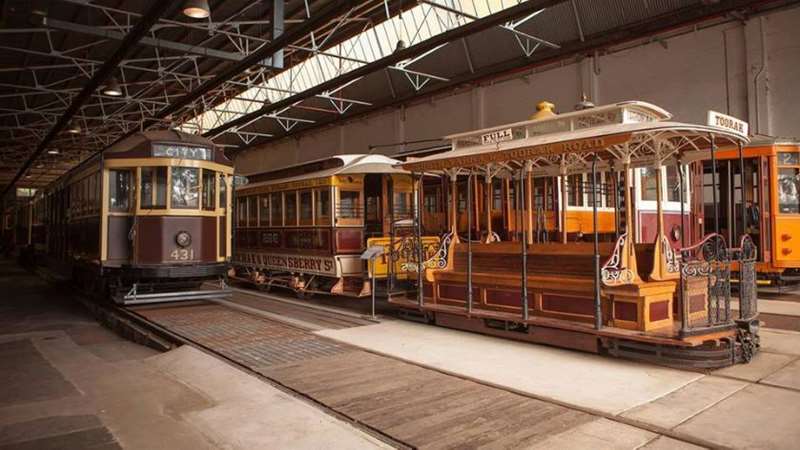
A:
373, 206
729, 194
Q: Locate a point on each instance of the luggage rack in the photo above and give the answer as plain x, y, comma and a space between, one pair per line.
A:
134, 297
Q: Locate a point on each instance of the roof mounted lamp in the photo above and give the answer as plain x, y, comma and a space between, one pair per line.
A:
543, 110
196, 9
584, 103
112, 88
53, 151
73, 128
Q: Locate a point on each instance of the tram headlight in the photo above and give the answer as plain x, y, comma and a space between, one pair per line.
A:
183, 239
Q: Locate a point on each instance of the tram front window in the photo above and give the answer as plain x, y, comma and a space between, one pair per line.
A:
349, 204
788, 187
119, 190
185, 188
154, 187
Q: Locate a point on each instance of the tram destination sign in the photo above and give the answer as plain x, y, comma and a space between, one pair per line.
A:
182, 152
497, 136
719, 120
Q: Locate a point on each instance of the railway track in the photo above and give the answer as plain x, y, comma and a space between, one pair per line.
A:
400, 403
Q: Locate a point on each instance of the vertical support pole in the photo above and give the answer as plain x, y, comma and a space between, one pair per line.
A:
714, 182
372, 271
469, 242
564, 200
659, 201
617, 203
489, 200
529, 201
742, 184
454, 206
684, 306
418, 232
277, 30
524, 244
598, 309
626, 167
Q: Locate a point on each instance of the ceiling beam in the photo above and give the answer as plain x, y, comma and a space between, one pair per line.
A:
158, 9
584, 45
490, 21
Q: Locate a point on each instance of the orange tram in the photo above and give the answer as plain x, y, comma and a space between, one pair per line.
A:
580, 230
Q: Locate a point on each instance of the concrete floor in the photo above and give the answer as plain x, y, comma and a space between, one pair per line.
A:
67, 382
754, 405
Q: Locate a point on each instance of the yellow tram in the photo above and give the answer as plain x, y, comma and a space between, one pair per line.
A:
141, 221
607, 288
304, 227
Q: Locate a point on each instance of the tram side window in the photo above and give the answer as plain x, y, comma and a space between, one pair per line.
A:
209, 189
290, 199
306, 208
276, 209
575, 190
349, 204
789, 190
649, 184
322, 198
497, 194
252, 211
430, 201
674, 185
154, 188
241, 212
119, 192
185, 187
402, 204
263, 213
223, 192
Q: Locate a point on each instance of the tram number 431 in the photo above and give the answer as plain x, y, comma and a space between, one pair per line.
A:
182, 254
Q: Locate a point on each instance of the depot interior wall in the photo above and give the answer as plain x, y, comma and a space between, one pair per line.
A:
717, 68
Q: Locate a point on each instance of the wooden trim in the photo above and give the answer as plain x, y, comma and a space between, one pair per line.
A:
168, 162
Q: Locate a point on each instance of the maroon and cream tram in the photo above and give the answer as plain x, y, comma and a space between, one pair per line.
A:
304, 227
145, 219
634, 284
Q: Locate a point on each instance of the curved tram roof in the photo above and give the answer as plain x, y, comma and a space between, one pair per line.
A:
566, 142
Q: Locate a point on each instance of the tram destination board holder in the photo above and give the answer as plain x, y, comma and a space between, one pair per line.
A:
369, 255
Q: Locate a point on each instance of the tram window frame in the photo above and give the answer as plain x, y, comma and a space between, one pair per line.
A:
241, 211
290, 215
402, 204
430, 200
305, 207
352, 211
263, 210
114, 191
223, 190
322, 213
193, 191
252, 211
788, 162
159, 187
276, 209
575, 191
208, 190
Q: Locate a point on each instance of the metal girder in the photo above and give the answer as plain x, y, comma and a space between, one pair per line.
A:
146, 40
158, 9
585, 44
399, 55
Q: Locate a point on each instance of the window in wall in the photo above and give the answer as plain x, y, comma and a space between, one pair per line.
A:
154, 187
306, 208
599, 189
209, 189
349, 204
185, 188
430, 201
263, 213
290, 204
649, 183
497, 194
322, 198
276, 209
119, 190
402, 204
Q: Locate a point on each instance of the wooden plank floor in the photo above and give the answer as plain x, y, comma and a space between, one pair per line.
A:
413, 405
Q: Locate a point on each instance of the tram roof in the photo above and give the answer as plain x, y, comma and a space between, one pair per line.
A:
636, 129
345, 164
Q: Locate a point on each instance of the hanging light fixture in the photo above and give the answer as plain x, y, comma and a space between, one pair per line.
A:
73, 128
196, 9
53, 151
112, 88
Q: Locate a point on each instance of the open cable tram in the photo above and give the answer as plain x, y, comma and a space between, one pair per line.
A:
603, 289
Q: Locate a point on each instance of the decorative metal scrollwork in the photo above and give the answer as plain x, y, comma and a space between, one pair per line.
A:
748, 294
673, 260
748, 343
613, 273
709, 260
439, 259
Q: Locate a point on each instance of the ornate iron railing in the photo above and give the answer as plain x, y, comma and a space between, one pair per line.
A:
705, 276
746, 255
